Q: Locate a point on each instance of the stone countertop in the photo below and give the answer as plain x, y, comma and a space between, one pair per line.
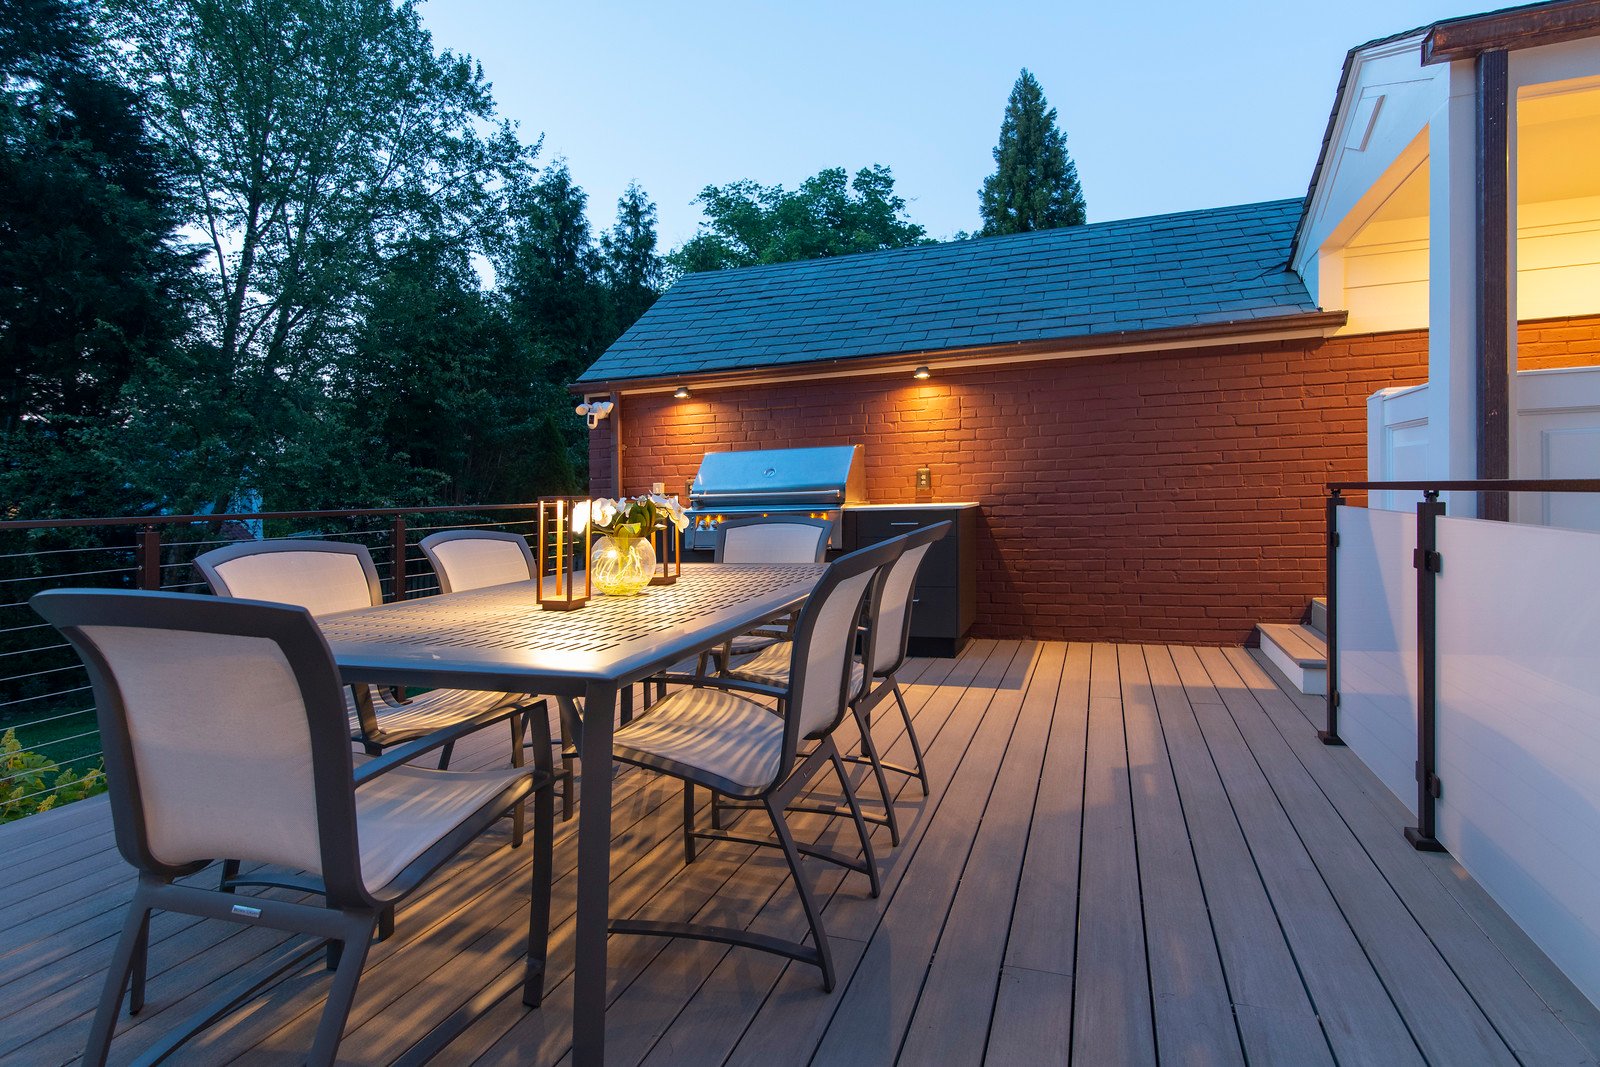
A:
910, 504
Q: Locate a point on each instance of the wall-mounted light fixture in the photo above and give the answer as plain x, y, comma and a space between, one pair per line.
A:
682, 392
922, 374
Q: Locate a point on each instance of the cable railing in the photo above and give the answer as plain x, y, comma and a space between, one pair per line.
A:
46, 703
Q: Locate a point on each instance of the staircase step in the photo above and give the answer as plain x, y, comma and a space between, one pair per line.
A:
1318, 615
1300, 652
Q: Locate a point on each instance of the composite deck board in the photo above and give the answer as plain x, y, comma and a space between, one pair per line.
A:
1276, 1020
1193, 1015
1130, 854
1112, 1020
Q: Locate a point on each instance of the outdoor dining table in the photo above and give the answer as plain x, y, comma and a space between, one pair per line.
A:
498, 639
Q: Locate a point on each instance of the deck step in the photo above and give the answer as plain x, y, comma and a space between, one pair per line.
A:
1299, 651
1317, 616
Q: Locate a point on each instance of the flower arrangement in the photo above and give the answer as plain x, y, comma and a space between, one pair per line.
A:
623, 559
629, 516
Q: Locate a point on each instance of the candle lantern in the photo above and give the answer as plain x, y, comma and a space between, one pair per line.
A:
564, 545
669, 543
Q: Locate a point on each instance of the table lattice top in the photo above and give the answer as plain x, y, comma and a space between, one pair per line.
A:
508, 618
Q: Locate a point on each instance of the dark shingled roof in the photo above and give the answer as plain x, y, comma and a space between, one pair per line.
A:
1197, 268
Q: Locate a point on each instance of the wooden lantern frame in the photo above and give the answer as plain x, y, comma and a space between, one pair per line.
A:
668, 537
555, 520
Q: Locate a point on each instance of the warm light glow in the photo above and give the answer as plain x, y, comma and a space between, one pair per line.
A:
922, 374
682, 392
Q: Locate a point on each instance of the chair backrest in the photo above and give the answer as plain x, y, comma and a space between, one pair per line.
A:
223, 726
892, 631
824, 644
472, 559
789, 539
321, 576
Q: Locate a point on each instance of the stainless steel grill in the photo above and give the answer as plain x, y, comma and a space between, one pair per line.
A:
817, 482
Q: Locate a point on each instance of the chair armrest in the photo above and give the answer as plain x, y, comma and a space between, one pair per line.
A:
393, 696
402, 754
720, 682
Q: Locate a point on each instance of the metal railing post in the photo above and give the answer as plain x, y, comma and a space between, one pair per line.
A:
1329, 735
1429, 566
149, 557
397, 569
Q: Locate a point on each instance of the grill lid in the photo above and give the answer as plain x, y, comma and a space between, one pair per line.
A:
834, 475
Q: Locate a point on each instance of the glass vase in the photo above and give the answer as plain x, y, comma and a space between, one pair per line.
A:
622, 565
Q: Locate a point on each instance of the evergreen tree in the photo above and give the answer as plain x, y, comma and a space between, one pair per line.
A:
633, 266
91, 280
1035, 183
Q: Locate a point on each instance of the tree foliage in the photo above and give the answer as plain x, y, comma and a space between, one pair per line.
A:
1035, 183
633, 267
830, 214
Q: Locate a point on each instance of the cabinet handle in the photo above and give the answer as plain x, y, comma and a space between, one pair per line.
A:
902, 524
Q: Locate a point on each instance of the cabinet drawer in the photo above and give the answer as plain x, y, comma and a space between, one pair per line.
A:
942, 564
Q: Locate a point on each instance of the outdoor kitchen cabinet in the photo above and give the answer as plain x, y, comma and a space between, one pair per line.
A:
946, 597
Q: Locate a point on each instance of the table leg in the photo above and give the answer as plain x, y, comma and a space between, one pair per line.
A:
594, 878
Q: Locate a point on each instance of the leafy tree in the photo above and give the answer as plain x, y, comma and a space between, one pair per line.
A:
553, 275
830, 214
315, 138
633, 267
1035, 183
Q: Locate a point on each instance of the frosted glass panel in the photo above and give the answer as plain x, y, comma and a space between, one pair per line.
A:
1519, 727
1377, 646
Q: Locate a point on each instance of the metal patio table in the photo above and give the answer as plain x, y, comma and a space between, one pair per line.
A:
498, 639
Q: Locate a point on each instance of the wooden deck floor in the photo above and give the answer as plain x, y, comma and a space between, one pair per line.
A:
1133, 854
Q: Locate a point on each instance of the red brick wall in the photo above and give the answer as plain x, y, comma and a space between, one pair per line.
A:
1159, 497
1550, 343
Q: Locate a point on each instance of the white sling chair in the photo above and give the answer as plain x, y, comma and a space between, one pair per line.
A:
225, 736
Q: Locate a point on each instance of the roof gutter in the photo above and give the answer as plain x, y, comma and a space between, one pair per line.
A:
1525, 27
1303, 326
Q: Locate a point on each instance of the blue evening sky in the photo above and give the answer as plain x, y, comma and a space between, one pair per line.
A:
1167, 105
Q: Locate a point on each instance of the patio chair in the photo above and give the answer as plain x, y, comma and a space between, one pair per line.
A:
225, 735
767, 539
473, 559
887, 619
712, 733
325, 577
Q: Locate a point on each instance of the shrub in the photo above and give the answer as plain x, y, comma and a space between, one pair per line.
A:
31, 783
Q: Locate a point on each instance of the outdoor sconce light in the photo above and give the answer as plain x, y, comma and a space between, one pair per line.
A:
562, 520
594, 411
922, 374
682, 392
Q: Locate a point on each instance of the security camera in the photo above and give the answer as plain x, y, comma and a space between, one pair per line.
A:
594, 412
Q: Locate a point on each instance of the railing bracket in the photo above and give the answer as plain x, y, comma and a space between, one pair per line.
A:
1427, 560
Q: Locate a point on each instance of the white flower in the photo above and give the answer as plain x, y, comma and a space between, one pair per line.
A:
673, 510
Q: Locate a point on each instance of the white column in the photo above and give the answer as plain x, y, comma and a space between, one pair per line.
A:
1452, 346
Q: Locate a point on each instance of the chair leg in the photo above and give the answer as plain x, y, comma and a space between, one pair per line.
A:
569, 710
716, 811
444, 755
813, 916
855, 814
386, 923
518, 759
870, 748
230, 871
688, 822
141, 961
544, 819
342, 994
134, 933
911, 733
